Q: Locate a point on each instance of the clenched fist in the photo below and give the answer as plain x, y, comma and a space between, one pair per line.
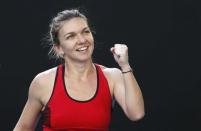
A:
120, 53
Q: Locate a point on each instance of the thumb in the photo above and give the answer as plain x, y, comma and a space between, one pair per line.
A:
112, 50
116, 57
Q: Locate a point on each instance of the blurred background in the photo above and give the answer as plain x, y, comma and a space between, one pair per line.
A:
164, 40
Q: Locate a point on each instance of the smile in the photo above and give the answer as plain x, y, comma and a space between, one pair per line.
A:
82, 49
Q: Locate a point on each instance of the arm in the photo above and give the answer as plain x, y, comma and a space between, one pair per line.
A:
126, 89
31, 110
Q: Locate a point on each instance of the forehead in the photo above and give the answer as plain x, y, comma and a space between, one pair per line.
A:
73, 25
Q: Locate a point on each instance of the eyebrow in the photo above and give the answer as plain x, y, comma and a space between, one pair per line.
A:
73, 32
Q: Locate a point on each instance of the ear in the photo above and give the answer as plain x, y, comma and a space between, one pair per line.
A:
58, 50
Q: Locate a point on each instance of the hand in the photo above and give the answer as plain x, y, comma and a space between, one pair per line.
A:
120, 53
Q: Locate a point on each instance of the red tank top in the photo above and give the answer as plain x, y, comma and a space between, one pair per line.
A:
63, 113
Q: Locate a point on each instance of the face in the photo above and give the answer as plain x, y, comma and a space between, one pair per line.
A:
76, 40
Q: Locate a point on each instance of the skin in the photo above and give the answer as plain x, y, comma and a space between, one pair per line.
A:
80, 74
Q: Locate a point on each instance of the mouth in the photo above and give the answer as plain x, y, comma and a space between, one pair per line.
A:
82, 49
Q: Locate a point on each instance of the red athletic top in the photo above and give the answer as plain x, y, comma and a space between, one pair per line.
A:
63, 113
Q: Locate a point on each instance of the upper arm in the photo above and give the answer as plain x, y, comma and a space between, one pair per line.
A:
128, 95
118, 87
32, 107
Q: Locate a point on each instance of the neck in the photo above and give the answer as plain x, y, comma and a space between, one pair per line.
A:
79, 70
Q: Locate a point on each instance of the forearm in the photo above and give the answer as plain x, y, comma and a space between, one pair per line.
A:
133, 96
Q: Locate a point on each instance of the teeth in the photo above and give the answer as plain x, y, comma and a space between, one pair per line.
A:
83, 48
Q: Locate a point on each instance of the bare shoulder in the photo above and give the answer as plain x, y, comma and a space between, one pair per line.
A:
110, 71
44, 77
112, 75
42, 84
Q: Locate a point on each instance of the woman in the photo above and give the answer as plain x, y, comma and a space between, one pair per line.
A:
77, 95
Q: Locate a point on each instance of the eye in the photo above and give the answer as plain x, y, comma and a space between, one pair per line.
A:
70, 37
87, 31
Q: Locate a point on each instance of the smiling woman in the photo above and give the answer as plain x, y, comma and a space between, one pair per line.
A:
75, 40
77, 95
68, 27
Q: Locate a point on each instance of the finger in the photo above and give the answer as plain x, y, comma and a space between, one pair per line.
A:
116, 57
117, 45
112, 49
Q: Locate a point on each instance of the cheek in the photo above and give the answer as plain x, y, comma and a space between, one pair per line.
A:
91, 39
67, 44
65, 48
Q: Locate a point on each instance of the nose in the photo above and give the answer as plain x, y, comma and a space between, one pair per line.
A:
81, 39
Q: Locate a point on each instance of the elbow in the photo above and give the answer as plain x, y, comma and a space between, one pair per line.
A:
136, 116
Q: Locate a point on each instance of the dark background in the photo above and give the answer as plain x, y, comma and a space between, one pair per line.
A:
164, 50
